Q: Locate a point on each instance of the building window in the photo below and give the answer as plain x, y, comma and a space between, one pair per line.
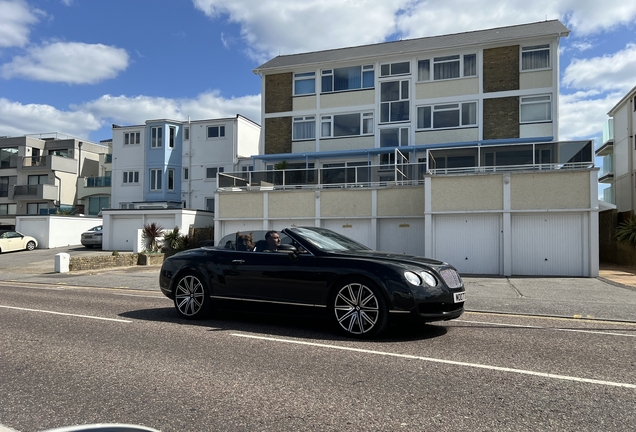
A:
424, 70
304, 128
392, 69
5, 184
173, 131
535, 57
445, 116
346, 125
394, 137
186, 173
170, 179
209, 204
535, 109
186, 133
210, 173
247, 168
155, 179
216, 131
394, 101
8, 209
304, 83
156, 137
454, 66
131, 177
132, 138
350, 78
37, 208
96, 204
38, 179
9, 157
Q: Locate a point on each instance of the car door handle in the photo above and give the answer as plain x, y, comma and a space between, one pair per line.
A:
238, 261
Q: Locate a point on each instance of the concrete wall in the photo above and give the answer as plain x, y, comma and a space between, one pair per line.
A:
55, 231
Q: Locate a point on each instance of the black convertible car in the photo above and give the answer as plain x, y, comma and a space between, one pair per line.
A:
314, 267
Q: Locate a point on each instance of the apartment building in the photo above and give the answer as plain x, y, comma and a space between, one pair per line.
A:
618, 151
39, 173
485, 98
174, 164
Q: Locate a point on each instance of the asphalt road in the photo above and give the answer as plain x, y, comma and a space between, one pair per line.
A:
71, 355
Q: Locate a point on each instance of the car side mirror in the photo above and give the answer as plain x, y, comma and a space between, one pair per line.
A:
287, 248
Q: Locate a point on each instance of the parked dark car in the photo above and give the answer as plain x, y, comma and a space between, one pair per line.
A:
314, 267
92, 237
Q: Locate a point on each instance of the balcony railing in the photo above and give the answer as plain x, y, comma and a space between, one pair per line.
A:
33, 192
98, 182
50, 162
505, 158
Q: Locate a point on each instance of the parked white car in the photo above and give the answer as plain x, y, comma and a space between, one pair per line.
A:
13, 240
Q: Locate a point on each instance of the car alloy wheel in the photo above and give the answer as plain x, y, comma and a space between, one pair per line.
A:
30, 245
359, 309
191, 297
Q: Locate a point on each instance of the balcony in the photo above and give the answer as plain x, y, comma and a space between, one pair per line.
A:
50, 163
38, 192
399, 171
606, 174
89, 186
607, 146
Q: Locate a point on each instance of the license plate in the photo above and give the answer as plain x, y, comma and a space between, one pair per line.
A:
88, 237
459, 297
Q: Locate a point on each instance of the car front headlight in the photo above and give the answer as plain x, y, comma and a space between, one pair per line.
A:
412, 278
428, 279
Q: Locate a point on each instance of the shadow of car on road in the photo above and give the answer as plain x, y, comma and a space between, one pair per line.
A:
285, 323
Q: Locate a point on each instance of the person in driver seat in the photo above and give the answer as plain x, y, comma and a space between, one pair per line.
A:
270, 244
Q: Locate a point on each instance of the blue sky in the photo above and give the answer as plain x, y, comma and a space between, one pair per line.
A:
77, 66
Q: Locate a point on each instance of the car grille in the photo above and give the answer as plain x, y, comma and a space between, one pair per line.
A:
451, 277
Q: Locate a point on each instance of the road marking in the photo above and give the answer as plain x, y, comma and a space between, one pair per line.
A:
549, 328
66, 314
450, 362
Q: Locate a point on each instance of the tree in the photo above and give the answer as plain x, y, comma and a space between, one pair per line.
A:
151, 233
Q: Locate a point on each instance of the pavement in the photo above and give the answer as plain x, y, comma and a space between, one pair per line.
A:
609, 297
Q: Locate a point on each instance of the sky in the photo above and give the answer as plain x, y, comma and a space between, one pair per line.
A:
78, 66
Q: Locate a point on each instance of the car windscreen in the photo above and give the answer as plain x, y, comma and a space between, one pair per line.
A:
327, 240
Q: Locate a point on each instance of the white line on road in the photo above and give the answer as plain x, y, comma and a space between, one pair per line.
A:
450, 362
66, 314
549, 328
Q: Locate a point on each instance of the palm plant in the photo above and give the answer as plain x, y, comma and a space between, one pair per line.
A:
626, 232
173, 239
151, 233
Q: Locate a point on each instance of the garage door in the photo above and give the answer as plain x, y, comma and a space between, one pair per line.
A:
124, 232
401, 236
548, 245
470, 243
357, 229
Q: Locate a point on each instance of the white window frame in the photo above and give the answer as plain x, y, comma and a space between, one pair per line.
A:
327, 125
460, 59
404, 87
387, 69
171, 179
447, 107
403, 136
304, 76
155, 179
533, 102
132, 138
156, 137
131, 177
186, 133
528, 51
303, 120
220, 132
365, 70
216, 170
172, 136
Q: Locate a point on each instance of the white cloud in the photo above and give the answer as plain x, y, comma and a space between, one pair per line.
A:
69, 62
583, 114
609, 72
16, 18
17, 119
273, 27
137, 109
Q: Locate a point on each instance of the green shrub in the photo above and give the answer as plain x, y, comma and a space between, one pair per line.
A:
626, 232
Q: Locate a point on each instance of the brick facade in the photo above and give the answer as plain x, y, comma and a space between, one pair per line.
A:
278, 135
278, 93
501, 118
501, 69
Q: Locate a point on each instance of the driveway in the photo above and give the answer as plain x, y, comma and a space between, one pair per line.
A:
41, 260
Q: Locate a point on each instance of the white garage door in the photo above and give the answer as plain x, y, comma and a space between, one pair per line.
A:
470, 243
357, 229
124, 232
401, 236
548, 245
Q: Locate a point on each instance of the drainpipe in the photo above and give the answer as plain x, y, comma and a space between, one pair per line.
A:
59, 192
